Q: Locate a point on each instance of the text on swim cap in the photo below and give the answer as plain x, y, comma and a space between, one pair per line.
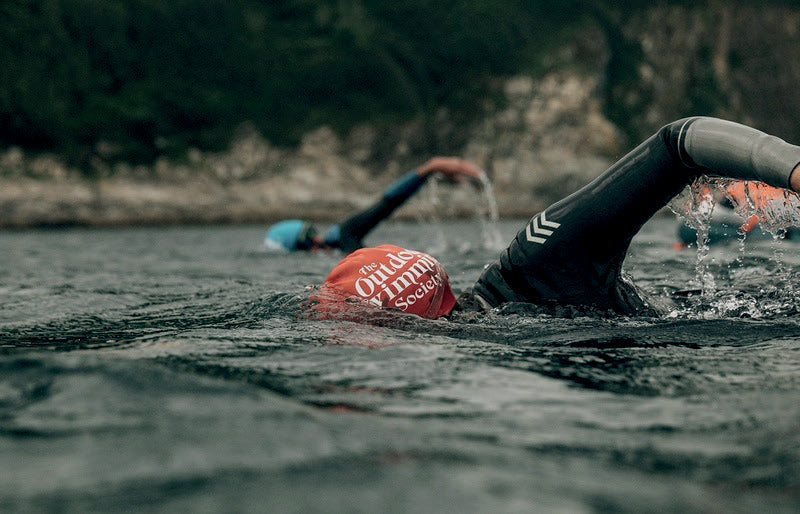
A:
381, 284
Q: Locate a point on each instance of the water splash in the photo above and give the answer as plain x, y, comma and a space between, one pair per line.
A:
439, 244
776, 210
492, 240
486, 214
695, 205
773, 211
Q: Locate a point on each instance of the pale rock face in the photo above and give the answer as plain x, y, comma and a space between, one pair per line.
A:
549, 138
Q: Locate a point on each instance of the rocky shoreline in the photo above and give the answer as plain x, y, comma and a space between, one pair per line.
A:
538, 137
548, 138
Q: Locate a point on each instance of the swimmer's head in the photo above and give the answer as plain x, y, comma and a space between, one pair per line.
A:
291, 235
395, 278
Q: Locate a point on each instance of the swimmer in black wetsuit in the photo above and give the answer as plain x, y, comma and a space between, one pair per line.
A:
571, 253
296, 235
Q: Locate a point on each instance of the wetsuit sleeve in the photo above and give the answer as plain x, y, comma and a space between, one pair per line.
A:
572, 252
352, 231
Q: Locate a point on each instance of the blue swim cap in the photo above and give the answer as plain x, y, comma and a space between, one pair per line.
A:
290, 235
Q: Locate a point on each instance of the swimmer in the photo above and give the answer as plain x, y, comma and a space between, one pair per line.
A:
295, 235
726, 223
569, 256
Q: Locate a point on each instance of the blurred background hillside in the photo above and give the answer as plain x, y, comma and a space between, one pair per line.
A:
142, 111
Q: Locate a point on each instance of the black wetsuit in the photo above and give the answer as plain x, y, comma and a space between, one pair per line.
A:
348, 235
571, 253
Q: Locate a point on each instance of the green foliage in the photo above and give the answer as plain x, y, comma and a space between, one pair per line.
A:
154, 77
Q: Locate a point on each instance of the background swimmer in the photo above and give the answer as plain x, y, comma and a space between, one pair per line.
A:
294, 235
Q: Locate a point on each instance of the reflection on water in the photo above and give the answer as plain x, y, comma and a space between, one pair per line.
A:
161, 369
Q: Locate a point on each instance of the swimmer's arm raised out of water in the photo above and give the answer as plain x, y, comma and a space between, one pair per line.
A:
454, 169
355, 228
572, 252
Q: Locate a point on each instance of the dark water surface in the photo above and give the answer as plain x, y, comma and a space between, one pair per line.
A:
171, 369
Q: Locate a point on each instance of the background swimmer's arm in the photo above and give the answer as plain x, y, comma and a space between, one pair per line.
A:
454, 169
355, 228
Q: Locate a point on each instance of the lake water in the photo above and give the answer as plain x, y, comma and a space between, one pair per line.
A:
173, 370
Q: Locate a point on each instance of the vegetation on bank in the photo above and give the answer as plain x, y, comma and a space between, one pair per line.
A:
135, 79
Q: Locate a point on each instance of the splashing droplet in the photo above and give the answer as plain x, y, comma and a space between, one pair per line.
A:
492, 240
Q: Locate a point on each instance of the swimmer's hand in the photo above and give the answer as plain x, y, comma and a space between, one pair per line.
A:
452, 168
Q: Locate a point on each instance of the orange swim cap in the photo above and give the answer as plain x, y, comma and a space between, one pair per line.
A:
392, 277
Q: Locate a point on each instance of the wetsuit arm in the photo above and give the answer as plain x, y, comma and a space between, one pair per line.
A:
737, 151
572, 252
352, 231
